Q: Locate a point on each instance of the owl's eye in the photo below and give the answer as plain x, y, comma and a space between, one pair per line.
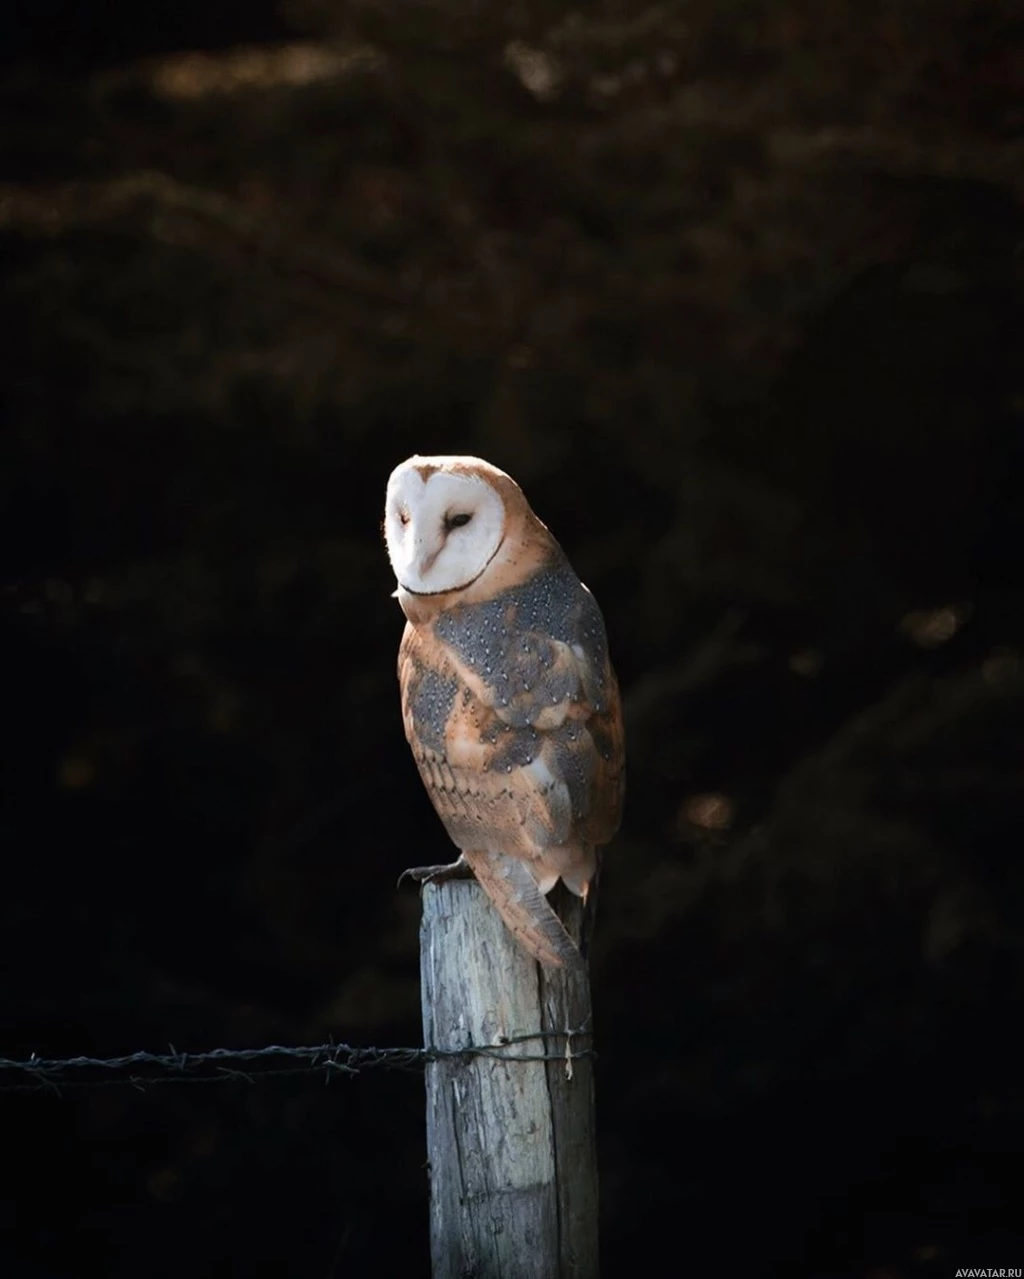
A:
456, 521
403, 517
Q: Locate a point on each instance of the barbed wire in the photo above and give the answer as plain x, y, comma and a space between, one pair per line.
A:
140, 1069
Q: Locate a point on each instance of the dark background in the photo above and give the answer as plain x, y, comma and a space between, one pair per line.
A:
732, 289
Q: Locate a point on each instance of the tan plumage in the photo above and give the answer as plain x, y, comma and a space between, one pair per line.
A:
509, 700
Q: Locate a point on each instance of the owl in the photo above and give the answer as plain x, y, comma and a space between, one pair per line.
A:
509, 700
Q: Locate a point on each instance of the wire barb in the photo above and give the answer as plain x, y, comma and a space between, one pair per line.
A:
221, 1065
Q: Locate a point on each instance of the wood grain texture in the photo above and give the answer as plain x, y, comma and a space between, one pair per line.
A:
510, 1143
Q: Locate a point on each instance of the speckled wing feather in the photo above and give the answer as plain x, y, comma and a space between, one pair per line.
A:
523, 907
512, 712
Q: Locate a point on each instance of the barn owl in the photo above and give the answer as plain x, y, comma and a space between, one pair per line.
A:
509, 700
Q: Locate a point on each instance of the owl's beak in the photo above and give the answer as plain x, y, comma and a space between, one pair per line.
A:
425, 559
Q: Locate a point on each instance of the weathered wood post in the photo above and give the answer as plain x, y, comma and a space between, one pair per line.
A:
510, 1139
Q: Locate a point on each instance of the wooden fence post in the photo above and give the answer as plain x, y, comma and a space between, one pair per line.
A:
510, 1142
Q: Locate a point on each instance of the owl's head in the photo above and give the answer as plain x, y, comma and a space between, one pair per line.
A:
445, 519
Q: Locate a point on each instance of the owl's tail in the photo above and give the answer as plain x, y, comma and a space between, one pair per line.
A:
524, 908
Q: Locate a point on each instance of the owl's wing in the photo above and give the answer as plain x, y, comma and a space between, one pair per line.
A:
522, 754
565, 712
526, 912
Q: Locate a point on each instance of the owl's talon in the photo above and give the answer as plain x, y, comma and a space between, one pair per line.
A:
436, 874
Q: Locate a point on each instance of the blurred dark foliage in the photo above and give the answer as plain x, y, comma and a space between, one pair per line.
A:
733, 290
